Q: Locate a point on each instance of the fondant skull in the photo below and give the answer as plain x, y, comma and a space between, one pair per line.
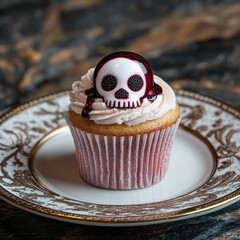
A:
122, 80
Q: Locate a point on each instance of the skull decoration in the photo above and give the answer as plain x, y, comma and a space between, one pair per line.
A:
123, 79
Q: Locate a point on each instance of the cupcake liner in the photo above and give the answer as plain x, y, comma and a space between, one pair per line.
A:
123, 162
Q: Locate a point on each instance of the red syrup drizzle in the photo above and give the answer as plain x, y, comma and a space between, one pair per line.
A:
153, 93
92, 94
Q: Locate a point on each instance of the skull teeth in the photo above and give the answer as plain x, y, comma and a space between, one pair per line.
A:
122, 104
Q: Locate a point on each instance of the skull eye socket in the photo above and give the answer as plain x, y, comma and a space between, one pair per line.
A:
109, 82
135, 83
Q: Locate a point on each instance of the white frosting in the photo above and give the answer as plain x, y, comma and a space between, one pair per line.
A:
101, 114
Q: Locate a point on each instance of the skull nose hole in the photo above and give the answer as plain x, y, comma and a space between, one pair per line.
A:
121, 93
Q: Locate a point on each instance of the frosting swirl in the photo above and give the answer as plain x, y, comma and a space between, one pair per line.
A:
101, 114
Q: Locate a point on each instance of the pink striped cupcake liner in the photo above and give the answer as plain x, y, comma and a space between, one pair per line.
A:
123, 162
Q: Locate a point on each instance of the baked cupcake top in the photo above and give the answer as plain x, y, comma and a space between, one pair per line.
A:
121, 89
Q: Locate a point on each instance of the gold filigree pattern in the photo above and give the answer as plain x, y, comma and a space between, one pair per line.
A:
22, 129
196, 112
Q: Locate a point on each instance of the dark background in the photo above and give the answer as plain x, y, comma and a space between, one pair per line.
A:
46, 45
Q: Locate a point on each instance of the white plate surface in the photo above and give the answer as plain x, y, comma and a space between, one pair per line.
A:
191, 165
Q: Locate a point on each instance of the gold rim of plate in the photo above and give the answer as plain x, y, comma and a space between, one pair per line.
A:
190, 122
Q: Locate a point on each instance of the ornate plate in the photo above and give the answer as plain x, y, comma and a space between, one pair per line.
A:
38, 172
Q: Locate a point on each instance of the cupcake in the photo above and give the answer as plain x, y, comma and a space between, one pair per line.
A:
123, 120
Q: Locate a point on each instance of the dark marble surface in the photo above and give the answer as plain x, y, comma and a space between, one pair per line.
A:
46, 45
18, 224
